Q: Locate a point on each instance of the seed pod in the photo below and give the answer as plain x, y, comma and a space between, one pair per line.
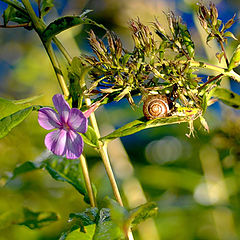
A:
156, 106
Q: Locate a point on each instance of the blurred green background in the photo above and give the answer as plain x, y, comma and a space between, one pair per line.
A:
195, 181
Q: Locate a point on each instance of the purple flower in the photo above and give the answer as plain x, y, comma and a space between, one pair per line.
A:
65, 140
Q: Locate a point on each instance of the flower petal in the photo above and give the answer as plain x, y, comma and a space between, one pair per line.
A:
77, 121
48, 118
62, 107
74, 145
56, 142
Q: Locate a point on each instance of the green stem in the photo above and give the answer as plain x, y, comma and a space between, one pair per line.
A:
57, 69
224, 71
63, 50
37, 23
105, 158
39, 26
87, 180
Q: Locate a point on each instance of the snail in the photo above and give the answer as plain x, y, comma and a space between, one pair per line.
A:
155, 106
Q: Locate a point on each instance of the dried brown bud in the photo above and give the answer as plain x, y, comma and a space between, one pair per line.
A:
213, 14
204, 12
230, 22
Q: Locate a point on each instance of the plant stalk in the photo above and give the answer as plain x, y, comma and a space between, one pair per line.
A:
105, 158
39, 26
57, 69
62, 50
224, 71
87, 181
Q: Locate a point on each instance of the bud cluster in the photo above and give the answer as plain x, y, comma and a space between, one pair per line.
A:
159, 61
214, 26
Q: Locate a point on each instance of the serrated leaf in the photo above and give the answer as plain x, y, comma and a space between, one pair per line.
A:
143, 123
78, 235
64, 23
141, 213
26, 217
90, 137
9, 122
227, 96
46, 6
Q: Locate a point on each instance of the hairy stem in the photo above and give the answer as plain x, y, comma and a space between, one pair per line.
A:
87, 181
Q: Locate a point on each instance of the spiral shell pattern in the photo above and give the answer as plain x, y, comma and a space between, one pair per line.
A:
155, 106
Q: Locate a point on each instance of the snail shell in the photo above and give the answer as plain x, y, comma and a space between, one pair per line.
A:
155, 106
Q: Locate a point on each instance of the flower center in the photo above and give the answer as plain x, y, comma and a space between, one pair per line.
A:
66, 127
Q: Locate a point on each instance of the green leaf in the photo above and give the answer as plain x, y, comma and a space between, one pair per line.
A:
227, 96
118, 213
61, 169
9, 122
14, 15
35, 220
64, 23
143, 123
78, 235
26, 217
46, 6
235, 60
108, 230
8, 107
76, 74
229, 34
25, 167
141, 213
90, 137
187, 39
88, 217
67, 170
26, 100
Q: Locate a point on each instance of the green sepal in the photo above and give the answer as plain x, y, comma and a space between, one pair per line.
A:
90, 137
